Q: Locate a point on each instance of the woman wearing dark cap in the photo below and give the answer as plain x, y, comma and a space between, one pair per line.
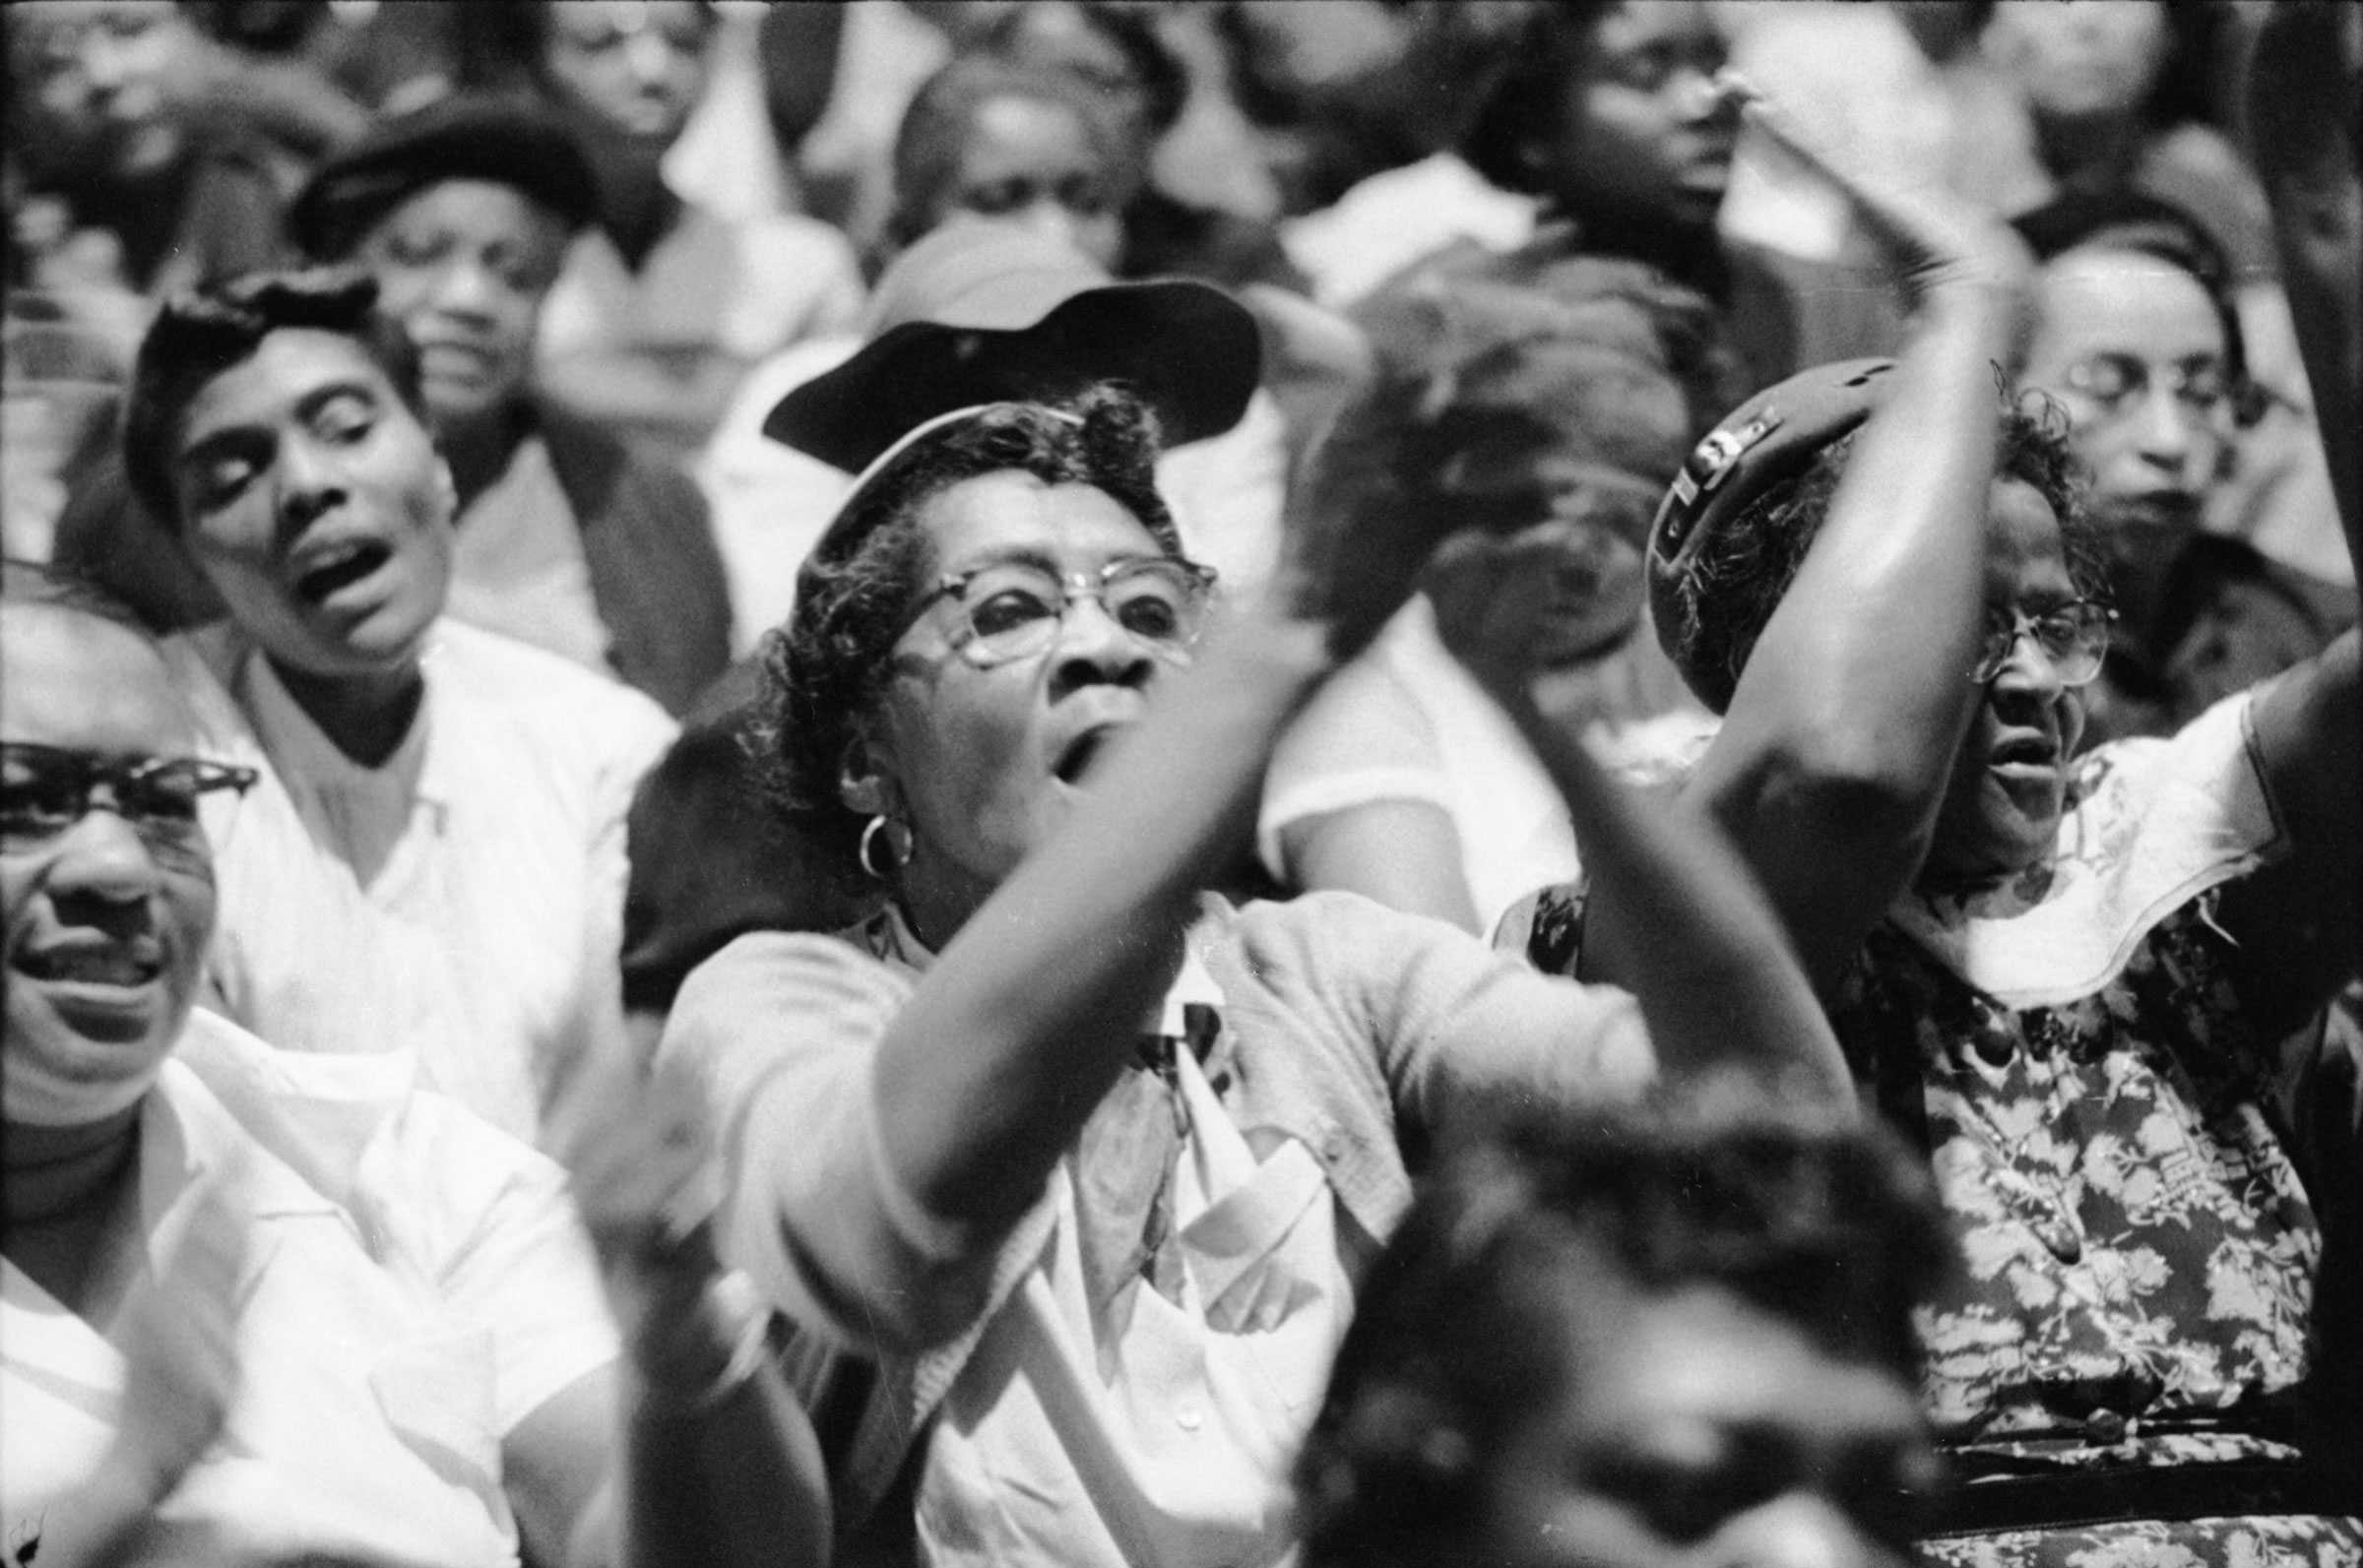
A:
2069, 978
1068, 1172
568, 537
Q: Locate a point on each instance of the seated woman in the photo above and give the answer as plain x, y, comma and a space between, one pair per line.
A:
1404, 781
2073, 980
569, 540
2136, 333
434, 855
1069, 1173
1627, 1340
664, 305
257, 1314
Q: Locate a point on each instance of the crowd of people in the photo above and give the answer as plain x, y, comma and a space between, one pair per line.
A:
1182, 783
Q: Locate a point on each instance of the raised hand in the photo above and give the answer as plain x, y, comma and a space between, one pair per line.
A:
639, 1151
1933, 239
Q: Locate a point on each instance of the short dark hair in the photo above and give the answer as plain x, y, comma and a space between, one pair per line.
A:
926, 147
1459, 1331
198, 336
1745, 569
1528, 98
855, 592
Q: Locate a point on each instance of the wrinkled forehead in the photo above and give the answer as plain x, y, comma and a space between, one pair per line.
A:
79, 681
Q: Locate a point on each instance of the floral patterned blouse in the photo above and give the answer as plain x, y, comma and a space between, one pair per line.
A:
2139, 1253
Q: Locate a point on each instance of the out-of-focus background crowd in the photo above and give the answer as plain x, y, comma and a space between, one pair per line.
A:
759, 165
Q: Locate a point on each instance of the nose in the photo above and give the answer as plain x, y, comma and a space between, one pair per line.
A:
2028, 681
648, 57
311, 481
101, 63
465, 287
2165, 433
1093, 649
1797, 1530
100, 863
1052, 219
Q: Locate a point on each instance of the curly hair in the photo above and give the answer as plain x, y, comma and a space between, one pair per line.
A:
1744, 572
199, 335
826, 668
1458, 1337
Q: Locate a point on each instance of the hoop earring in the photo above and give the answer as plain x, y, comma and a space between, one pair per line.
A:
898, 849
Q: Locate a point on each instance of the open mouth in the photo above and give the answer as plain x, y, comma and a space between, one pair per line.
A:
107, 965
1080, 753
332, 570
2023, 751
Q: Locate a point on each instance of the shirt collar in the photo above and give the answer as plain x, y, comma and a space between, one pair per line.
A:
301, 751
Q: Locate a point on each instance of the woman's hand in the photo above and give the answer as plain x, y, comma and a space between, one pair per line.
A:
639, 1151
1934, 239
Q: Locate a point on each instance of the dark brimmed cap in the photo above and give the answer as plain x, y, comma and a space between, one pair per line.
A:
985, 313
502, 137
1769, 440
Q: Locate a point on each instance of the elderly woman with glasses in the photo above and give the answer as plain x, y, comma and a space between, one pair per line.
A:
2072, 979
1067, 1171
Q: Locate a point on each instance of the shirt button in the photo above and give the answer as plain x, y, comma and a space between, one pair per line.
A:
1192, 1418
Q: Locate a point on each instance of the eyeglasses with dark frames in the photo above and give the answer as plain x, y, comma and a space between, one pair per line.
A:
46, 790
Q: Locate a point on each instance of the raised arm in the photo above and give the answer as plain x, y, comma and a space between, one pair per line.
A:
1833, 757
2300, 930
692, 1449
1045, 988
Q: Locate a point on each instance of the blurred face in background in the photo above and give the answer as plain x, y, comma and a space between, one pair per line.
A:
1641, 138
1567, 451
2131, 346
1060, 35
104, 79
464, 264
1692, 1426
634, 67
1033, 161
2091, 60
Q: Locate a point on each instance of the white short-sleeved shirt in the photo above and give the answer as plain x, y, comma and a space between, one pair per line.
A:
386, 1338
1408, 723
464, 901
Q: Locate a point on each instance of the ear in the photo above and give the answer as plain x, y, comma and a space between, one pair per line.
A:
864, 784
